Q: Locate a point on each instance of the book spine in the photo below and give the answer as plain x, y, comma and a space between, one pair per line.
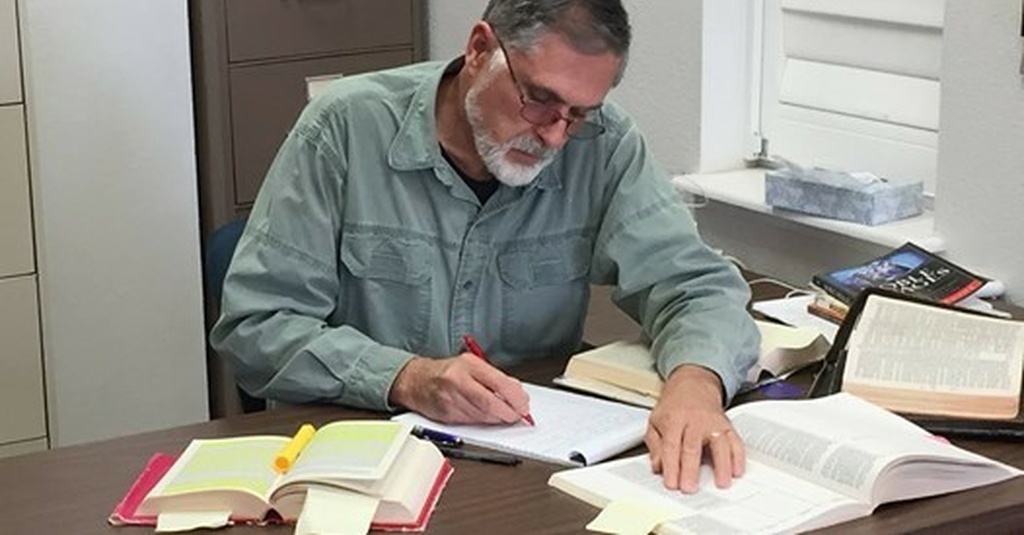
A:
831, 289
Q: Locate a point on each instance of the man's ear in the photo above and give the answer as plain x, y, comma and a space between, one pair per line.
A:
482, 43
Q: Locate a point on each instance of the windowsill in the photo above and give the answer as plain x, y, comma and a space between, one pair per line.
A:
745, 189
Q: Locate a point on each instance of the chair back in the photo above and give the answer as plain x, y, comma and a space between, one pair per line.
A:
219, 251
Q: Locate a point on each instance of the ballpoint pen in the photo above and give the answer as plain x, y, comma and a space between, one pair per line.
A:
475, 349
437, 437
490, 458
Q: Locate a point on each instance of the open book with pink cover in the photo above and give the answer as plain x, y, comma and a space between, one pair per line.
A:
375, 460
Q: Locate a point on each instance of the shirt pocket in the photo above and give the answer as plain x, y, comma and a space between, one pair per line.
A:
385, 289
544, 295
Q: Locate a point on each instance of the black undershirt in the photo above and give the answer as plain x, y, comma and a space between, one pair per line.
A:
483, 189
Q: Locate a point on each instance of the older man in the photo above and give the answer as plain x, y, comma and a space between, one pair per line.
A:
483, 196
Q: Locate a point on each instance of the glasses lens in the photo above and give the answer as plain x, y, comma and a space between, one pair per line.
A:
539, 114
584, 130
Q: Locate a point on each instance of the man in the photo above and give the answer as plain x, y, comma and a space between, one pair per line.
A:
410, 207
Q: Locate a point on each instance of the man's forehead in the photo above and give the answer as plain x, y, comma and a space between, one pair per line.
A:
575, 78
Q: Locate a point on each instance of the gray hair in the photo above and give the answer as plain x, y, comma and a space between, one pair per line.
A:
590, 26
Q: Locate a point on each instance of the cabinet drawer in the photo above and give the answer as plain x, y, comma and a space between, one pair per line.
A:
21, 369
15, 213
10, 69
266, 101
261, 29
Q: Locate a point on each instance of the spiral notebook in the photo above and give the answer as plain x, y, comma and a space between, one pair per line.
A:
572, 429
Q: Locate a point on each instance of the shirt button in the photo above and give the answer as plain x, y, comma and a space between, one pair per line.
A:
467, 285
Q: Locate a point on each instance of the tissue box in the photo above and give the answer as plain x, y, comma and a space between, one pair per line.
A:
859, 197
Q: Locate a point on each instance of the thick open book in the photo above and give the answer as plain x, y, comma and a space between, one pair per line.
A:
625, 370
571, 429
374, 468
948, 369
810, 464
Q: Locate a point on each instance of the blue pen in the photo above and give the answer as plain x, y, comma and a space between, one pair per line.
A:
437, 437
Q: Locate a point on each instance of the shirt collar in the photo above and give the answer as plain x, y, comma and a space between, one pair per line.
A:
416, 145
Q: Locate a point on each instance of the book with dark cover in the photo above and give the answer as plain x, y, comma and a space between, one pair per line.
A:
908, 270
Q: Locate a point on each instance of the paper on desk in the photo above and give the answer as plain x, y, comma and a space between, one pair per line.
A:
333, 511
174, 522
623, 517
571, 429
793, 311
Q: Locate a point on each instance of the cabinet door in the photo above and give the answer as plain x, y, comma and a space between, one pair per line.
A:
21, 372
266, 101
10, 69
261, 29
16, 253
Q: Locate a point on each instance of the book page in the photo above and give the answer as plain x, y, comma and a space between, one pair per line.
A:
243, 464
571, 429
908, 348
844, 443
763, 500
349, 450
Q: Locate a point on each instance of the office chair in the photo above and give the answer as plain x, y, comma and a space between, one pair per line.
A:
218, 257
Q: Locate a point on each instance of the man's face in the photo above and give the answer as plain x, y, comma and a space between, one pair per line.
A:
513, 149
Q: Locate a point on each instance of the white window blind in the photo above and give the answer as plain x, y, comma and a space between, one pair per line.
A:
853, 85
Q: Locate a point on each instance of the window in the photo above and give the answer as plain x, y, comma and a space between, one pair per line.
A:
850, 85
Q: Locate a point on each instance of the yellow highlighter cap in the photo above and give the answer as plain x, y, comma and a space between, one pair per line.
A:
284, 460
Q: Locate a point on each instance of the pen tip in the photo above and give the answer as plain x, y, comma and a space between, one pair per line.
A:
529, 419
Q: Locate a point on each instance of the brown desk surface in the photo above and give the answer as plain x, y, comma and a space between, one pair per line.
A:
73, 489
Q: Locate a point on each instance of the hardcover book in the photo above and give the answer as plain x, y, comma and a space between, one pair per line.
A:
909, 270
625, 370
810, 464
358, 464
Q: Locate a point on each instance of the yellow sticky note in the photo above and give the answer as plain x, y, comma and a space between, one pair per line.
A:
176, 522
630, 518
330, 511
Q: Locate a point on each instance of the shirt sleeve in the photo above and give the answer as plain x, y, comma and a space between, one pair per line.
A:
686, 297
283, 284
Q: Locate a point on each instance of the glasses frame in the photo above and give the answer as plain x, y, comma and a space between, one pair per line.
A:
540, 114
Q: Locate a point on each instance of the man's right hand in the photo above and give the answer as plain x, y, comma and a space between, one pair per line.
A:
460, 390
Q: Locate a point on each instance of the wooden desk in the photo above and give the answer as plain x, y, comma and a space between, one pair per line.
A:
73, 489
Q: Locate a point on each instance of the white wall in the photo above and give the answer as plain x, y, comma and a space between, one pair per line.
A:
981, 163
981, 147
110, 119
665, 32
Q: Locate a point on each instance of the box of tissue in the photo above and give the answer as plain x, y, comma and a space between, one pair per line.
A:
859, 197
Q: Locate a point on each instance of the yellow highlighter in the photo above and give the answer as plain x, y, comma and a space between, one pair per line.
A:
284, 460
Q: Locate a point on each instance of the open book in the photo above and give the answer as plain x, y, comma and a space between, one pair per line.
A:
810, 464
571, 429
625, 370
373, 468
949, 370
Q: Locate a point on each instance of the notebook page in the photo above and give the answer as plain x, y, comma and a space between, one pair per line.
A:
571, 430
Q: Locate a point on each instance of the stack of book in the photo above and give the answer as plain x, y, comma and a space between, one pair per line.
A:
909, 270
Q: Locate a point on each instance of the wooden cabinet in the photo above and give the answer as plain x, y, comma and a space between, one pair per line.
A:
253, 64
253, 60
23, 416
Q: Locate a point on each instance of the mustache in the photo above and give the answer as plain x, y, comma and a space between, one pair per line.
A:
529, 144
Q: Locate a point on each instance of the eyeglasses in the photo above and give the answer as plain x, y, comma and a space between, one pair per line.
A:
539, 114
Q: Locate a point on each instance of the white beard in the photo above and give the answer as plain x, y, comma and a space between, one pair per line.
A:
494, 154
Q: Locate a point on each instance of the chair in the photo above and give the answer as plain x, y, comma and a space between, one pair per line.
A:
219, 251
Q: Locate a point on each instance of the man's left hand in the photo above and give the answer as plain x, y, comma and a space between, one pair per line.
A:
688, 418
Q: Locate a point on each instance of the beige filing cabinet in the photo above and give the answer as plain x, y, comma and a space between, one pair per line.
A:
255, 64
22, 405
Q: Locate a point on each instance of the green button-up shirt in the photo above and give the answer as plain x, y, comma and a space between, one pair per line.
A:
365, 248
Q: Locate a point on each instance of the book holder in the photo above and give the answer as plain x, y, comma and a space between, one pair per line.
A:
829, 378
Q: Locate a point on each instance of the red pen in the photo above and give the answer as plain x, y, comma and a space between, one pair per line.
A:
475, 349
